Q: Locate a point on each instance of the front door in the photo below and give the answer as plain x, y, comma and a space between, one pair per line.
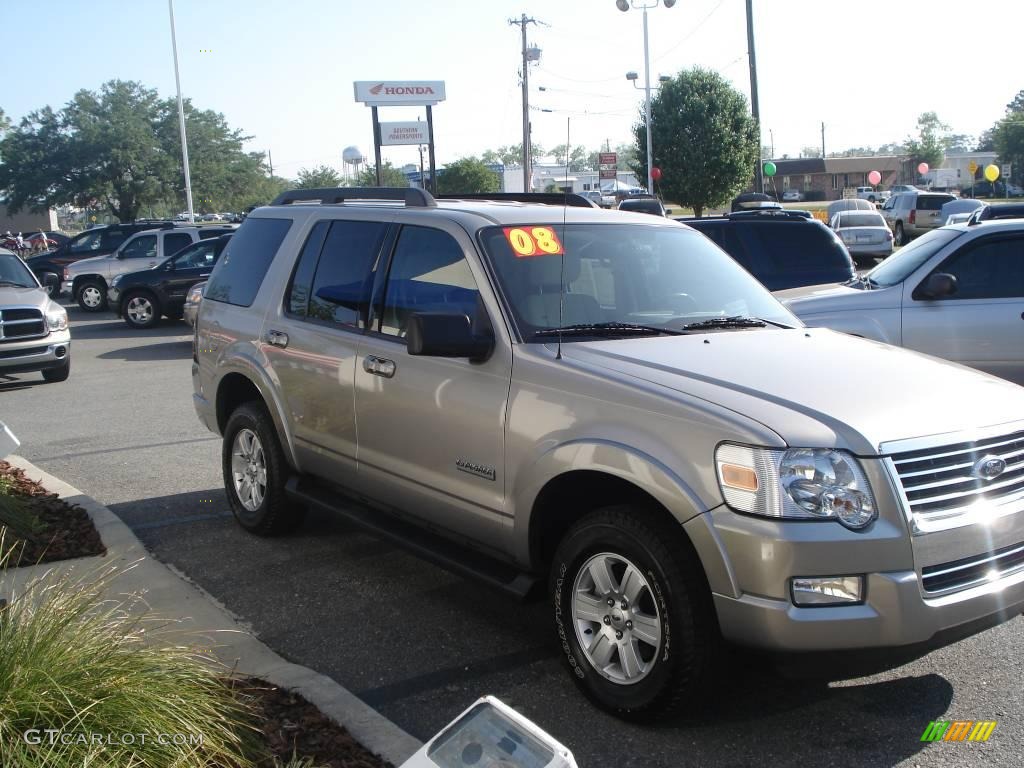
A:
982, 323
191, 266
431, 429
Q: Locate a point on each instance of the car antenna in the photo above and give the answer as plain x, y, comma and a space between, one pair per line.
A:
565, 208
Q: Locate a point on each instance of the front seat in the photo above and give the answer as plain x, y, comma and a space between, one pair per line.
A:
541, 304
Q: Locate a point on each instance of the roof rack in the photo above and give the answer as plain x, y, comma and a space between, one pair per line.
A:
413, 197
769, 213
546, 198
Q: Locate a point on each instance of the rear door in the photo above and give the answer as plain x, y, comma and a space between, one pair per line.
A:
982, 323
314, 340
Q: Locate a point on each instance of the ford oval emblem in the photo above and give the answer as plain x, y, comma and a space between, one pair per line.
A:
989, 467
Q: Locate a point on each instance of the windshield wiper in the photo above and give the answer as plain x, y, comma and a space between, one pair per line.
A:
605, 329
736, 321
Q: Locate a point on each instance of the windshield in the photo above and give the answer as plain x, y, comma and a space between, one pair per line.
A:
897, 267
14, 272
655, 276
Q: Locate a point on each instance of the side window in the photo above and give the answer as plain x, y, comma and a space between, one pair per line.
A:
142, 247
990, 270
344, 273
199, 255
297, 297
175, 242
428, 273
240, 270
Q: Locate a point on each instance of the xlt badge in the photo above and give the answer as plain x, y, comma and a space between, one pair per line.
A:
480, 470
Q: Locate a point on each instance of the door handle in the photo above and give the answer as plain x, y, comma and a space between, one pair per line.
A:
379, 366
277, 339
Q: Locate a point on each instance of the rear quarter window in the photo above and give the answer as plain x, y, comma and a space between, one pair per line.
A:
933, 203
790, 255
241, 268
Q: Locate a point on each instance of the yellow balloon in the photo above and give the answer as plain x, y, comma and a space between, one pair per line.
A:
991, 172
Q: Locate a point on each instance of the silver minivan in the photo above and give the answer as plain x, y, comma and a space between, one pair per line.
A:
957, 292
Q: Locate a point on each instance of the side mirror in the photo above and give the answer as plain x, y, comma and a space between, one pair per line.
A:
938, 285
438, 335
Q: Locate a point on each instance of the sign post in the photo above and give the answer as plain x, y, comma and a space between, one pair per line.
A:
973, 168
1004, 171
605, 159
401, 93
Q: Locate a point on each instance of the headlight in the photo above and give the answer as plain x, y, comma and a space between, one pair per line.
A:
799, 484
57, 319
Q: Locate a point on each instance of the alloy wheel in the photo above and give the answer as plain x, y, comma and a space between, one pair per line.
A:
139, 310
249, 469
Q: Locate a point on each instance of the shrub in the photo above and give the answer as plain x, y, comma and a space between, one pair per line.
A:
93, 671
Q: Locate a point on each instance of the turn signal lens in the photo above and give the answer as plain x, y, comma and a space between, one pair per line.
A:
741, 478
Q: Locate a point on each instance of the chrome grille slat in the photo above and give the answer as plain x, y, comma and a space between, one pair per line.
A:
939, 485
19, 323
972, 571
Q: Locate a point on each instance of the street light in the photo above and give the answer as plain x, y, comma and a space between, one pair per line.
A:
624, 5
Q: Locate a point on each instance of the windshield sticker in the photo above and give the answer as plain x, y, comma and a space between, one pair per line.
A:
533, 241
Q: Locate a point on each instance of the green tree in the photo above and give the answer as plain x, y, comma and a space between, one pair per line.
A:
315, 178
5, 123
119, 150
576, 157
389, 175
810, 151
705, 141
1007, 136
511, 155
467, 176
928, 146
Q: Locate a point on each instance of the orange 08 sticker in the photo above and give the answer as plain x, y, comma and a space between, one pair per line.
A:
533, 241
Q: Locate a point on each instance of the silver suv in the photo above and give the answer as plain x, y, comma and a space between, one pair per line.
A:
910, 214
34, 332
87, 280
608, 404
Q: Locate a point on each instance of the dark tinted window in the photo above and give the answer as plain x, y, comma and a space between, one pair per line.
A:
341, 285
240, 271
428, 274
643, 206
199, 255
175, 242
787, 254
932, 202
990, 270
297, 298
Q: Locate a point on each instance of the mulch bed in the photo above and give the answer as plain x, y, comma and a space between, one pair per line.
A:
291, 725
65, 530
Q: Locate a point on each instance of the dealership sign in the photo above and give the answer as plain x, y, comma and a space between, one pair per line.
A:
399, 93
413, 132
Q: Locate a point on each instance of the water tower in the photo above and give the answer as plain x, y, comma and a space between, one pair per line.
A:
354, 159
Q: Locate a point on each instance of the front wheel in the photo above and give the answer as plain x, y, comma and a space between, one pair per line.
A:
633, 613
52, 375
141, 310
255, 472
91, 296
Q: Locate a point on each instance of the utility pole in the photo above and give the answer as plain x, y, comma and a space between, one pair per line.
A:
755, 108
521, 23
823, 141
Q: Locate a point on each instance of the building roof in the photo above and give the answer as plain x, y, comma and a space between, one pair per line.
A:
880, 163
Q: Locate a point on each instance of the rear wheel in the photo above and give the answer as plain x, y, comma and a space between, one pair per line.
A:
898, 238
141, 309
91, 296
633, 613
255, 472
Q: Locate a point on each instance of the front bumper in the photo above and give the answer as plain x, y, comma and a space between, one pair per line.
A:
114, 297
65, 287
751, 561
52, 351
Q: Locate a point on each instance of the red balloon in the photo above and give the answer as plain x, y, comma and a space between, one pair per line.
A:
656, 173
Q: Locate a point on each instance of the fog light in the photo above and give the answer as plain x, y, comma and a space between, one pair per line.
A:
828, 590
59, 352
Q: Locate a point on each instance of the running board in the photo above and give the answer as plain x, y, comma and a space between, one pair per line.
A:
430, 546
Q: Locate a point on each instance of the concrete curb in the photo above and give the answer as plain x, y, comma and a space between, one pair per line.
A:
205, 623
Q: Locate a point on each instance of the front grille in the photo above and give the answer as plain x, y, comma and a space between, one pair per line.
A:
939, 483
13, 353
971, 571
21, 323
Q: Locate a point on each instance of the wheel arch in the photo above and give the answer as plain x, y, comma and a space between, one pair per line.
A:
240, 386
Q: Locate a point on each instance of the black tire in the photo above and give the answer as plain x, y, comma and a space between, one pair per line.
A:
140, 309
53, 375
897, 234
87, 300
677, 669
864, 262
275, 514
51, 282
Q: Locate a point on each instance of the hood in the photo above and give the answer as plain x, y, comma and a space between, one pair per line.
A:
90, 263
811, 299
815, 387
32, 297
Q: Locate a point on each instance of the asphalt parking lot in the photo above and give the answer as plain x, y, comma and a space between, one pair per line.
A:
420, 644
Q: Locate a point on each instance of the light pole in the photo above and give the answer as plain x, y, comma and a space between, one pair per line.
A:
624, 5
181, 120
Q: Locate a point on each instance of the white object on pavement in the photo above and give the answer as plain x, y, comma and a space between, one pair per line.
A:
8, 442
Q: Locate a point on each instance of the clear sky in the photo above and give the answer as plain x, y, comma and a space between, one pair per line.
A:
283, 71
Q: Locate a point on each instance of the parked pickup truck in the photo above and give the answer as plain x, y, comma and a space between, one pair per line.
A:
873, 195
